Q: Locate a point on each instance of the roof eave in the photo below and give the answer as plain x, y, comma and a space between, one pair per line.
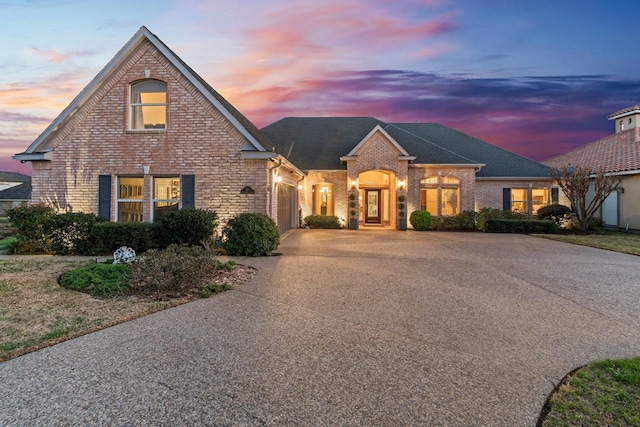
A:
33, 157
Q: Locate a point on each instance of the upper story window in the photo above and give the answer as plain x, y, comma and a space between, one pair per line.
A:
148, 105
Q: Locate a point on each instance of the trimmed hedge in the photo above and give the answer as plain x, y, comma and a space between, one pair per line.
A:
525, 226
188, 227
30, 222
71, 233
141, 236
322, 221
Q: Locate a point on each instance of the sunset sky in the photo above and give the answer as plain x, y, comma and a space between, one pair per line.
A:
535, 77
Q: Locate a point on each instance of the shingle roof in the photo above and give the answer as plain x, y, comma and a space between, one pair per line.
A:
317, 143
615, 153
18, 192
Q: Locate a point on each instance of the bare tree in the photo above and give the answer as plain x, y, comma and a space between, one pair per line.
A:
574, 181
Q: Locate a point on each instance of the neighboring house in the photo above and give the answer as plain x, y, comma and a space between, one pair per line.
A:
148, 135
15, 190
617, 153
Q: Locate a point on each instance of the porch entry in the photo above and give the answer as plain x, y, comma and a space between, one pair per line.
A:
376, 195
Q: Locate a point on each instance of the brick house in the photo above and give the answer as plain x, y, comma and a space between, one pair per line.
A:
617, 153
148, 135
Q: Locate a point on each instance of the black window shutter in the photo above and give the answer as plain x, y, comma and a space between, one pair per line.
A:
555, 196
506, 199
104, 197
188, 191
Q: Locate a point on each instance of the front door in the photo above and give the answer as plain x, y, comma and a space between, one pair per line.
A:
373, 208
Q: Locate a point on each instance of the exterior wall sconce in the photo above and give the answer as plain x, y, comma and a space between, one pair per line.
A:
278, 179
401, 185
145, 169
353, 183
299, 186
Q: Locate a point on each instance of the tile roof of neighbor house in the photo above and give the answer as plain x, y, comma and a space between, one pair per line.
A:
41, 144
21, 191
615, 153
317, 143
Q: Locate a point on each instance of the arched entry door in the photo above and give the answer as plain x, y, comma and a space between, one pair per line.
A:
377, 190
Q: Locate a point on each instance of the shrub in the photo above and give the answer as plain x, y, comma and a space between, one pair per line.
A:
445, 223
188, 226
556, 213
176, 271
495, 225
488, 213
322, 221
30, 223
72, 233
99, 279
141, 236
420, 220
250, 234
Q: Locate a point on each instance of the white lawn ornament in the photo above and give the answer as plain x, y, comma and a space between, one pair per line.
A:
124, 255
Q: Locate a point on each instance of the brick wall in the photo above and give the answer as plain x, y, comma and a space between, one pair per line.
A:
198, 141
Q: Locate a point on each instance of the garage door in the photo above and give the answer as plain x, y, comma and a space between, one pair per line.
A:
286, 207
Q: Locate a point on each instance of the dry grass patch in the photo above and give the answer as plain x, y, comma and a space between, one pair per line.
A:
36, 312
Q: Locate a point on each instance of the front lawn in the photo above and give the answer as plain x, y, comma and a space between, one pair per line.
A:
628, 243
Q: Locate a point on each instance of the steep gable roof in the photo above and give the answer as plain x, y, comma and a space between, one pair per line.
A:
619, 152
256, 141
317, 143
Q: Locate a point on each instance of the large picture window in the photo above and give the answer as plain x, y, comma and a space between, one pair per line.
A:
540, 199
440, 195
130, 198
519, 200
148, 105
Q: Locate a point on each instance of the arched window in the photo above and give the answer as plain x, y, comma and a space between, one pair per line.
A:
148, 105
440, 195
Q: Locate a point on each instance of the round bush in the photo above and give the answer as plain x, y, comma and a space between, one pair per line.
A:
554, 212
420, 220
250, 234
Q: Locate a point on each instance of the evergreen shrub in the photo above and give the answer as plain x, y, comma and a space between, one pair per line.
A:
250, 234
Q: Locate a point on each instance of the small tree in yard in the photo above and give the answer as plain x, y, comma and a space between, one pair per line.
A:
574, 181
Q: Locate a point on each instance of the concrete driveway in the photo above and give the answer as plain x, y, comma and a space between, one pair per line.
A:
370, 328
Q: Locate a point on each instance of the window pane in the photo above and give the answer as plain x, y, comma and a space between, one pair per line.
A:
540, 198
166, 188
450, 180
129, 211
449, 201
323, 199
160, 209
131, 188
429, 200
429, 180
148, 117
519, 200
130, 196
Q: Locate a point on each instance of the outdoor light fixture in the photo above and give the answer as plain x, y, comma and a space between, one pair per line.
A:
401, 184
278, 178
353, 183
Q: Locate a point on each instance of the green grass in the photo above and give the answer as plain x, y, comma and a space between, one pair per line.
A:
5, 244
628, 243
601, 394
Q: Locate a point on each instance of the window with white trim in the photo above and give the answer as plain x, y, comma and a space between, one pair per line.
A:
148, 105
130, 198
166, 196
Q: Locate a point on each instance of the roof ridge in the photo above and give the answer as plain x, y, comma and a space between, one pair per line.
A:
430, 142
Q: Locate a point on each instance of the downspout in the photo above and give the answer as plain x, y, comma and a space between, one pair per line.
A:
298, 200
272, 186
